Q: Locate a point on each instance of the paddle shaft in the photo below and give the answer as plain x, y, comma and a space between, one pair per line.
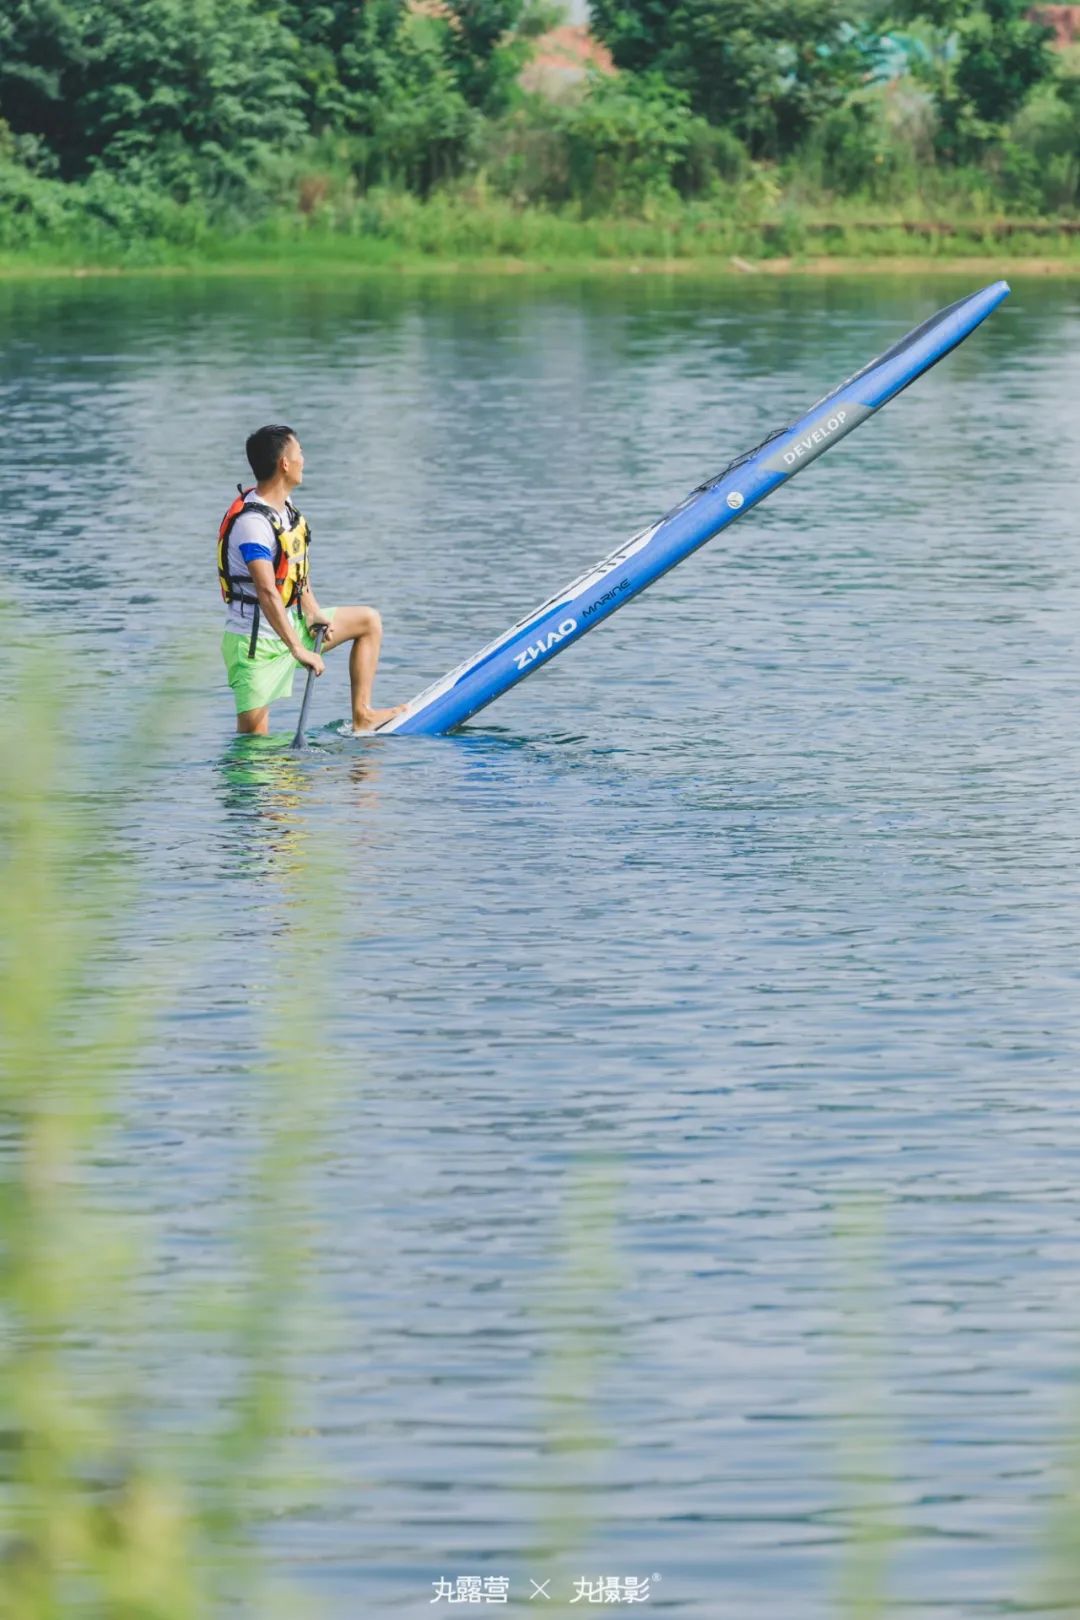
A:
300, 741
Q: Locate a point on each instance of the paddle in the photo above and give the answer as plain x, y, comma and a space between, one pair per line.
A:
300, 741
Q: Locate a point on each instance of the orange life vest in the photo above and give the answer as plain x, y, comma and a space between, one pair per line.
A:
291, 542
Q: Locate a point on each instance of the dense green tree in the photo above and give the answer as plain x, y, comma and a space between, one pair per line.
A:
42, 56
408, 86
206, 94
637, 32
766, 69
985, 57
633, 139
487, 43
344, 53
407, 106
198, 93
195, 94
163, 101
347, 50
380, 77
1002, 55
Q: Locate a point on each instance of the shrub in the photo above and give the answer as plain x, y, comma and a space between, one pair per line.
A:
712, 153
876, 145
1042, 153
526, 155
765, 69
415, 127
32, 209
632, 140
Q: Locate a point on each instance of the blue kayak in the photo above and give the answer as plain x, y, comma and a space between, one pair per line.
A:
593, 597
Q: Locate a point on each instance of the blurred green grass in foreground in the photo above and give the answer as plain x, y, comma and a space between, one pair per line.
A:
97, 1516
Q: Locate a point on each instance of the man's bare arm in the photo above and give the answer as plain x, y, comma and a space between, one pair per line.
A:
273, 611
313, 613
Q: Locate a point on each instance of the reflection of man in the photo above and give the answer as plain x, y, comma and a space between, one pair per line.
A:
263, 787
268, 787
271, 611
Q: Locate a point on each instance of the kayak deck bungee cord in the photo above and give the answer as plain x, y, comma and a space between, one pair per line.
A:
631, 569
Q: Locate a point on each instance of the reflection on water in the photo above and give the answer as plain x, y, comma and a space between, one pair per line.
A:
263, 789
763, 899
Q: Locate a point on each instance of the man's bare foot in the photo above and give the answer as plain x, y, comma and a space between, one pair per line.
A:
369, 719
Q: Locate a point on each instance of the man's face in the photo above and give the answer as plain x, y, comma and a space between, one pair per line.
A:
292, 462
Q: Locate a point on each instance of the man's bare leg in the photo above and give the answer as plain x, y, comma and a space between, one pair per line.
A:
254, 722
363, 627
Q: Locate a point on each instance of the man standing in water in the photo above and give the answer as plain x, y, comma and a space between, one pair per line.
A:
271, 612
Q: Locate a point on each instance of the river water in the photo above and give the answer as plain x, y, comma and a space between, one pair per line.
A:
692, 1043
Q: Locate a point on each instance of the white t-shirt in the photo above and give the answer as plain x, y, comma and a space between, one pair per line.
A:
251, 536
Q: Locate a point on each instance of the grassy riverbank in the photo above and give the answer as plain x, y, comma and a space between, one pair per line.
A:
970, 266
394, 232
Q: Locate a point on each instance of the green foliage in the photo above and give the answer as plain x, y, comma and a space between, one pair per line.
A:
764, 69
408, 89
638, 32
767, 70
1040, 160
851, 150
712, 154
99, 1514
42, 55
353, 63
980, 61
635, 139
205, 97
193, 112
31, 207
486, 43
343, 54
1001, 56
197, 94
628, 144
103, 217
404, 103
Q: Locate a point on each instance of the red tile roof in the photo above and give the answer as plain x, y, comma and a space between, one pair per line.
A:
1064, 20
563, 57
573, 46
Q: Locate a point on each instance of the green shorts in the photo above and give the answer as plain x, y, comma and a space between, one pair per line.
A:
268, 676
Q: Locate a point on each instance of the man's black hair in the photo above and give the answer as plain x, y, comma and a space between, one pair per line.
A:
265, 448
